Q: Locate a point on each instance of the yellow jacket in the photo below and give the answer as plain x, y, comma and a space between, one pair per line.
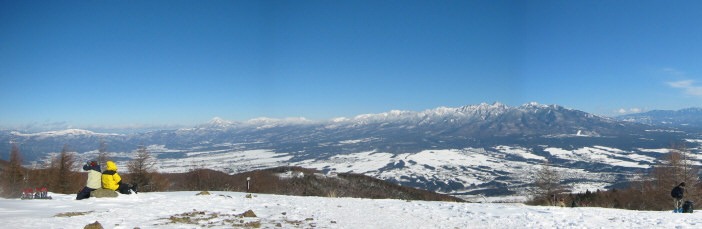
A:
110, 178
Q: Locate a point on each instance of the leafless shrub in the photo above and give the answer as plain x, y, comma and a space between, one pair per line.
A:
13, 175
61, 174
103, 155
547, 185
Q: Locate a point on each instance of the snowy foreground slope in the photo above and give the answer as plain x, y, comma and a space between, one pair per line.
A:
223, 210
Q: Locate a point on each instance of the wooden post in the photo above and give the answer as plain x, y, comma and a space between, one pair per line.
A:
248, 183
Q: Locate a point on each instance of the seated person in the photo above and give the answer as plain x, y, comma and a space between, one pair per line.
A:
93, 182
111, 180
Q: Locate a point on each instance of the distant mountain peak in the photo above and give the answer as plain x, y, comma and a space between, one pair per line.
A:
217, 122
534, 105
486, 105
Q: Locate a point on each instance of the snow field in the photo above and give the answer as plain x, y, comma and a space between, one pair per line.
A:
466, 166
223, 161
470, 166
222, 210
603, 155
519, 151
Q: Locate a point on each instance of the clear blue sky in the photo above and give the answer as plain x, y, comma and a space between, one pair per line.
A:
121, 63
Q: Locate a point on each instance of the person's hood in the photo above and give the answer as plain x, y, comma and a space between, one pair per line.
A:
111, 166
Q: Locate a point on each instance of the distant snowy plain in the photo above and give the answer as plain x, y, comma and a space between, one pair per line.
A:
470, 167
222, 210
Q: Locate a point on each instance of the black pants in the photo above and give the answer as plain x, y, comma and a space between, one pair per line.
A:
123, 188
84, 193
678, 203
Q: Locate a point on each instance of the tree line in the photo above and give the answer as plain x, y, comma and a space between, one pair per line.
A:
62, 173
649, 190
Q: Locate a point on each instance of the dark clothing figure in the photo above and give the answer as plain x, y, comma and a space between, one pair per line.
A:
94, 177
677, 193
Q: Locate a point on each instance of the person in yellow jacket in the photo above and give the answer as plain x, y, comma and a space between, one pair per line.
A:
112, 180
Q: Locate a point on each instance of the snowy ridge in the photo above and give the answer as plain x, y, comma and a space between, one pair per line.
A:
683, 118
68, 132
471, 112
263, 122
440, 115
481, 111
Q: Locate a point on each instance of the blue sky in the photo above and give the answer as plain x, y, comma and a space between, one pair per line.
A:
134, 63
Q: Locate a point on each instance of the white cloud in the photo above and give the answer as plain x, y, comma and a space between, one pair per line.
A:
673, 71
680, 84
688, 86
630, 110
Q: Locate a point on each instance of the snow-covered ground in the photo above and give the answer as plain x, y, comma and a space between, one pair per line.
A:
223, 210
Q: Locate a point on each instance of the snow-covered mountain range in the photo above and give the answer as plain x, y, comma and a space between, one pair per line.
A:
684, 118
486, 148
